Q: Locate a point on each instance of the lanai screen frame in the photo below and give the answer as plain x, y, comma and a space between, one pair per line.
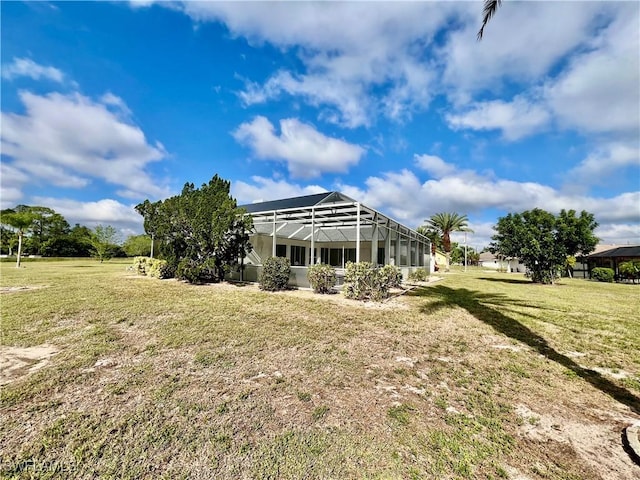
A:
337, 218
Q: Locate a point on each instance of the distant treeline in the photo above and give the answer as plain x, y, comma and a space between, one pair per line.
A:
47, 233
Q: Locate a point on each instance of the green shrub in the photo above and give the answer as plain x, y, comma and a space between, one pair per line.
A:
391, 276
322, 278
602, 274
159, 268
420, 275
364, 281
140, 265
196, 271
275, 274
630, 270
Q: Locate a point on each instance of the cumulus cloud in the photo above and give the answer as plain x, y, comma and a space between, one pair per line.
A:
264, 189
105, 212
307, 152
434, 165
594, 92
601, 164
25, 67
68, 140
515, 119
352, 70
403, 195
521, 45
599, 90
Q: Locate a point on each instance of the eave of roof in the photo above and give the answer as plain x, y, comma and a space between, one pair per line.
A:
626, 251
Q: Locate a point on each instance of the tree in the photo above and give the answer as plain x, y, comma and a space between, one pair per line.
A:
104, 240
137, 246
202, 232
433, 236
20, 219
445, 224
543, 241
488, 11
47, 225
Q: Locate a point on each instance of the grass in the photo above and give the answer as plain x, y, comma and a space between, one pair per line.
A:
160, 379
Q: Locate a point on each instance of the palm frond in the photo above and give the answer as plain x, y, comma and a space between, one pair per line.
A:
489, 10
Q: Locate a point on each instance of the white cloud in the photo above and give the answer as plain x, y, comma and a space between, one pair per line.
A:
11, 183
599, 91
434, 165
265, 189
307, 152
67, 140
619, 234
105, 212
521, 44
358, 61
595, 91
515, 119
25, 67
605, 162
404, 196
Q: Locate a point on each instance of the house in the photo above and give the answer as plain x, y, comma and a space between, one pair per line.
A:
581, 268
490, 260
333, 229
612, 257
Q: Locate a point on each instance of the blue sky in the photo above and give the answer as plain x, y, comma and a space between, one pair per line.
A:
395, 104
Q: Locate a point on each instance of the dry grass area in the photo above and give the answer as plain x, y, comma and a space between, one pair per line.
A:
480, 375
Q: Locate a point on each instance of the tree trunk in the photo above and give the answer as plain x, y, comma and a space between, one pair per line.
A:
19, 250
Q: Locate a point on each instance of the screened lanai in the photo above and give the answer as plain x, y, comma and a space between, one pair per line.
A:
334, 229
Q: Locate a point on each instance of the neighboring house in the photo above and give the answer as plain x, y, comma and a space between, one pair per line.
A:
612, 257
489, 260
440, 259
581, 267
333, 229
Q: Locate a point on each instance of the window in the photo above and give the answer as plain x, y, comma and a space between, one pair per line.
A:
335, 257
349, 255
281, 251
380, 255
298, 255
324, 256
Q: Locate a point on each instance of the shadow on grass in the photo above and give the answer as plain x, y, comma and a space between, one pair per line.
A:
517, 281
486, 308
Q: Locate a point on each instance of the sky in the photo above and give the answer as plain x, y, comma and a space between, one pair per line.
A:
395, 104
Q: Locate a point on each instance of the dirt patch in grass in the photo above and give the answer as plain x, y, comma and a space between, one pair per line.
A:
24, 288
16, 362
596, 441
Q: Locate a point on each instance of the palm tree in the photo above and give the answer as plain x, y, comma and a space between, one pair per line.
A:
444, 224
489, 10
433, 235
20, 220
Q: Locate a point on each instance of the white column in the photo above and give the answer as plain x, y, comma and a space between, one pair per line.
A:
357, 232
273, 249
398, 247
313, 235
387, 247
374, 243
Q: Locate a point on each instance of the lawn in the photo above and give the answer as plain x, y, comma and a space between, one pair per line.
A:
479, 375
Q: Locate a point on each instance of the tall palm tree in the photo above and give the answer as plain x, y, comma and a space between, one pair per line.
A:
489, 10
20, 221
446, 223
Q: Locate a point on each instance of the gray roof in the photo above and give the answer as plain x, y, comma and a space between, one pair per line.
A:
629, 251
295, 202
